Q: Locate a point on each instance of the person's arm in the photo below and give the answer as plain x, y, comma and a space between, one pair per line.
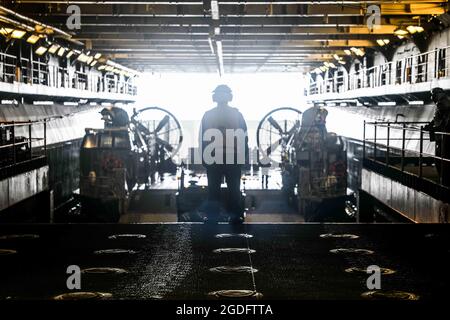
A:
243, 126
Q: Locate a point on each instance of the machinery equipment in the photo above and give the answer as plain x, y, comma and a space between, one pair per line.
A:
125, 153
313, 161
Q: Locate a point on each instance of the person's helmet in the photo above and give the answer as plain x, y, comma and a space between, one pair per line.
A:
222, 93
436, 94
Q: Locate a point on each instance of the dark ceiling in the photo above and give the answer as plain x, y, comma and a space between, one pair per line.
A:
246, 36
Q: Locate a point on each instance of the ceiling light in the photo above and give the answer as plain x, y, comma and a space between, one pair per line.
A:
347, 52
61, 51
89, 60
400, 32
383, 42
342, 62
33, 39
102, 67
83, 58
5, 31
98, 56
414, 29
70, 54
360, 52
220, 57
18, 34
217, 31
411, 29
93, 63
336, 57
53, 48
332, 65
40, 51
215, 10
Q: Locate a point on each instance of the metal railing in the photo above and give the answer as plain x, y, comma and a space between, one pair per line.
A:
389, 143
17, 143
424, 67
29, 72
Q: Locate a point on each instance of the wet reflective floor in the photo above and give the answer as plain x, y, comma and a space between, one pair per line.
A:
252, 261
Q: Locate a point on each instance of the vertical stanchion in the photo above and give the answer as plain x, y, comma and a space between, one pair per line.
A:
13, 133
45, 137
29, 139
420, 151
375, 142
403, 146
443, 151
387, 143
364, 140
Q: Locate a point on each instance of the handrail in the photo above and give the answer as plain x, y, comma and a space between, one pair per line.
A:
33, 72
380, 144
417, 68
17, 147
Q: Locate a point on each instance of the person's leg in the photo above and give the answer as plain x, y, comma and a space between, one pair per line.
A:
233, 177
214, 175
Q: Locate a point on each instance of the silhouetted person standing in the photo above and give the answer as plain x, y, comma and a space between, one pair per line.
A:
224, 147
441, 123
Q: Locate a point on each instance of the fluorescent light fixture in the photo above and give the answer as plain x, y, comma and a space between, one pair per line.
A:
89, 60
18, 34
387, 104
360, 52
411, 29
41, 50
93, 63
54, 48
327, 64
98, 56
217, 31
323, 68
332, 65
6, 31
401, 37
83, 58
336, 57
211, 45
43, 103
220, 57
70, 103
61, 51
414, 29
33, 39
400, 32
102, 67
416, 103
347, 52
70, 54
380, 42
342, 62
215, 10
